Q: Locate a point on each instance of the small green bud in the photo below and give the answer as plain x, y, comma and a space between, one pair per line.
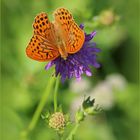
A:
89, 108
79, 116
67, 119
57, 121
46, 115
88, 103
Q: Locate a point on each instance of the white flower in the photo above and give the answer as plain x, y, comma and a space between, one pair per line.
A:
80, 87
102, 92
116, 81
103, 95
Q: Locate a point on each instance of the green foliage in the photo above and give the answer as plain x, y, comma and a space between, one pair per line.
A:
24, 81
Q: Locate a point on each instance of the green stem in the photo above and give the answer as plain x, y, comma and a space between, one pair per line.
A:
73, 131
55, 94
41, 104
60, 136
38, 111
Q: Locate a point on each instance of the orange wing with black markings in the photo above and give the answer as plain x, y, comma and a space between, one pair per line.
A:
64, 18
76, 39
42, 46
73, 35
51, 40
39, 50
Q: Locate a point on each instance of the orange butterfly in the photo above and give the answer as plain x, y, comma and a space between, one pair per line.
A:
52, 39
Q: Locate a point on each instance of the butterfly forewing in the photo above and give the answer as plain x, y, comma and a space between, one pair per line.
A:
42, 26
64, 18
42, 46
74, 36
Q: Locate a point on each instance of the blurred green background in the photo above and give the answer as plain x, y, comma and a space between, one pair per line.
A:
114, 85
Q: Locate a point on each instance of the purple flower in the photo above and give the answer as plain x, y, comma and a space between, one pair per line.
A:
77, 64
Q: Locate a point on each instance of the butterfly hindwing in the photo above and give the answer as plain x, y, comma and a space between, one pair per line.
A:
76, 38
39, 50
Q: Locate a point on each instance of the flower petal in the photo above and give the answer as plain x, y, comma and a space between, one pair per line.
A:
90, 36
49, 65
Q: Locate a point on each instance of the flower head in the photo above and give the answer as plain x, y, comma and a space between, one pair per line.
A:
57, 121
77, 64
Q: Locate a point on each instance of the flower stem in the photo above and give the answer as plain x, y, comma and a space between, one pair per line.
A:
60, 136
73, 131
55, 93
40, 106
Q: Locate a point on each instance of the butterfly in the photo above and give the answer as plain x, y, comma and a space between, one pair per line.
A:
53, 39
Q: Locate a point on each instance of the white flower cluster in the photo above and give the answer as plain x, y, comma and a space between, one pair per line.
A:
103, 92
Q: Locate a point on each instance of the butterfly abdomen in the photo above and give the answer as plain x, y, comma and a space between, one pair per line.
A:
60, 40
61, 45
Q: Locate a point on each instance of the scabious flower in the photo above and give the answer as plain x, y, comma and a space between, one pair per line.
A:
79, 63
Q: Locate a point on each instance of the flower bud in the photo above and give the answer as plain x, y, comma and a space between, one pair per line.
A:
79, 116
89, 108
